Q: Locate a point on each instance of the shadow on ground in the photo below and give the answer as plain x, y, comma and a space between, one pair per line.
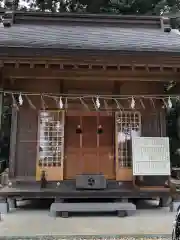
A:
44, 204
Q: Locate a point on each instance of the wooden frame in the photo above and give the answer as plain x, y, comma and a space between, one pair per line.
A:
122, 173
52, 173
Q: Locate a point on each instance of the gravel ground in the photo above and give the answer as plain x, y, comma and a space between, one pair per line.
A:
28, 221
86, 238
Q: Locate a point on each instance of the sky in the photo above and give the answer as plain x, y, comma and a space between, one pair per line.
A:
26, 4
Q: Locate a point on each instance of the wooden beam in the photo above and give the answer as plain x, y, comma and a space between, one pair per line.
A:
92, 75
122, 58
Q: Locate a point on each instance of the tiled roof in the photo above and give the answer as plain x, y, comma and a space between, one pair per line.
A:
88, 37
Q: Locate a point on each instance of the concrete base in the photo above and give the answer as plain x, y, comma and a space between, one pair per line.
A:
165, 201
12, 203
122, 208
7, 205
4, 207
174, 206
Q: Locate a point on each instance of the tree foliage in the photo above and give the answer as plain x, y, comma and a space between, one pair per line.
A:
138, 7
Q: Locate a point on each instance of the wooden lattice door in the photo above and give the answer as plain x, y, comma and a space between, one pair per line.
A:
50, 152
128, 123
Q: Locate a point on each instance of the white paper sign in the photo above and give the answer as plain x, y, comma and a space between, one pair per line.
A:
150, 156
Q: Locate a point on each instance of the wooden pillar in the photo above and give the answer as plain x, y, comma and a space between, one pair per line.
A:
1, 107
1, 96
116, 91
13, 138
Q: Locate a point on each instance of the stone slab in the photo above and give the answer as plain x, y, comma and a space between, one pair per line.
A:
92, 207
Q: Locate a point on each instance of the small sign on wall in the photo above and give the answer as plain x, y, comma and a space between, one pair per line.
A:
150, 156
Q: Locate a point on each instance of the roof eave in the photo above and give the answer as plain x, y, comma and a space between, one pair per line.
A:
50, 52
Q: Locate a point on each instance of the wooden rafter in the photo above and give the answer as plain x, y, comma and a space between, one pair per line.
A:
92, 66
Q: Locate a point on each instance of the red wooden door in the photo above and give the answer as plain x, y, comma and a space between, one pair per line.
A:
90, 152
89, 145
72, 161
106, 157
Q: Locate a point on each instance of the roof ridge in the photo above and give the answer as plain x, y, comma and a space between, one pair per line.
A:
85, 18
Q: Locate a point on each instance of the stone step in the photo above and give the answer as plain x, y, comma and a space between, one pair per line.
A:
125, 207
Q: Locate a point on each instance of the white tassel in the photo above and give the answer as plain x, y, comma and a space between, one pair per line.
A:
133, 103
98, 103
20, 100
60, 103
169, 103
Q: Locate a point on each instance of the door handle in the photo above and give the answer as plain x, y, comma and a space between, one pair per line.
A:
111, 156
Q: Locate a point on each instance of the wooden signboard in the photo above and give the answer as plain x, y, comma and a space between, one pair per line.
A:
150, 156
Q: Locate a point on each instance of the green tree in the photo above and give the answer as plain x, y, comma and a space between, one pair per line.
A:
147, 7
